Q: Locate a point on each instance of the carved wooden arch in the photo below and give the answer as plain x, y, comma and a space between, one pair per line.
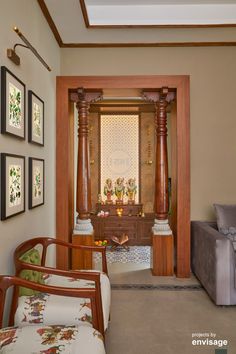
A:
180, 136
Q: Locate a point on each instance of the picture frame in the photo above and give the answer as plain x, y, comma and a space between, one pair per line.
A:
36, 182
12, 185
12, 104
35, 119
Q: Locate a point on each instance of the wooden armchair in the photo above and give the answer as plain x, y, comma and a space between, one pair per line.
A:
50, 338
65, 278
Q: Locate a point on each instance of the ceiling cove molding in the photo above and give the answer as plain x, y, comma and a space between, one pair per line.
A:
50, 22
88, 25
137, 45
124, 45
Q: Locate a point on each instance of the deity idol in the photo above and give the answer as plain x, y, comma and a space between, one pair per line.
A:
131, 190
108, 190
119, 190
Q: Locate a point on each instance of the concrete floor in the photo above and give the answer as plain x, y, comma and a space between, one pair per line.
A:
130, 273
163, 322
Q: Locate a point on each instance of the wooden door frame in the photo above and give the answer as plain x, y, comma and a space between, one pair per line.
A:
180, 156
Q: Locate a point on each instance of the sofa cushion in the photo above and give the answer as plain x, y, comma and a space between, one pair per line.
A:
231, 234
226, 216
33, 257
226, 221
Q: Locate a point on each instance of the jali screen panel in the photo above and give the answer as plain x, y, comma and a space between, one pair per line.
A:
119, 139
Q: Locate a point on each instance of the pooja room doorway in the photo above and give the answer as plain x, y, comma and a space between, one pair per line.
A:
128, 157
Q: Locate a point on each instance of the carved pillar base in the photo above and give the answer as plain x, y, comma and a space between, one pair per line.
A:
83, 227
83, 235
161, 227
162, 249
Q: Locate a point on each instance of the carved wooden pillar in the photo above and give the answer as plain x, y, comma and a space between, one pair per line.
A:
83, 231
162, 234
83, 195
161, 192
83, 98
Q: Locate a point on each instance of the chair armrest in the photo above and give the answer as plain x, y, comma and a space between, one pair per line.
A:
101, 249
46, 241
76, 274
213, 261
92, 276
90, 293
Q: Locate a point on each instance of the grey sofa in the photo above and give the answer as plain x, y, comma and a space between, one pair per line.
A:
213, 262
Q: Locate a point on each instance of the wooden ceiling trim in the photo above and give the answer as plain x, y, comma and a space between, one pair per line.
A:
50, 22
124, 45
85, 13
216, 25
160, 44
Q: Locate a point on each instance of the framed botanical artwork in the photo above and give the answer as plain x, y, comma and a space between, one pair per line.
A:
12, 185
36, 119
36, 182
12, 104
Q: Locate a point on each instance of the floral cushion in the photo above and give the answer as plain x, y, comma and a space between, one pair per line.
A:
51, 340
53, 309
82, 283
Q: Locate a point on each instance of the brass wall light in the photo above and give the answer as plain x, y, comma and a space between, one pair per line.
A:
11, 53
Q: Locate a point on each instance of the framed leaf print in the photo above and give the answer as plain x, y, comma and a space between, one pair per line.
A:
36, 119
36, 182
12, 104
12, 185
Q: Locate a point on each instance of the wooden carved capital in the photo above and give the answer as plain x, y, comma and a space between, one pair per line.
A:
86, 95
160, 95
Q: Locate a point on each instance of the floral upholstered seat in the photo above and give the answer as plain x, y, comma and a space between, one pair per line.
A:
54, 339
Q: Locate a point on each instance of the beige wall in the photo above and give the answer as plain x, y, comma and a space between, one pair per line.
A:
27, 15
212, 101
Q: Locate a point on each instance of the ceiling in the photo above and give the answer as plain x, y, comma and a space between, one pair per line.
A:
158, 12
156, 2
129, 23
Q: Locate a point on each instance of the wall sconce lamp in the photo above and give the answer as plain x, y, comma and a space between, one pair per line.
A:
11, 53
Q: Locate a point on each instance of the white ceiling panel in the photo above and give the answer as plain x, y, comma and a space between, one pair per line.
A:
156, 2
113, 15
